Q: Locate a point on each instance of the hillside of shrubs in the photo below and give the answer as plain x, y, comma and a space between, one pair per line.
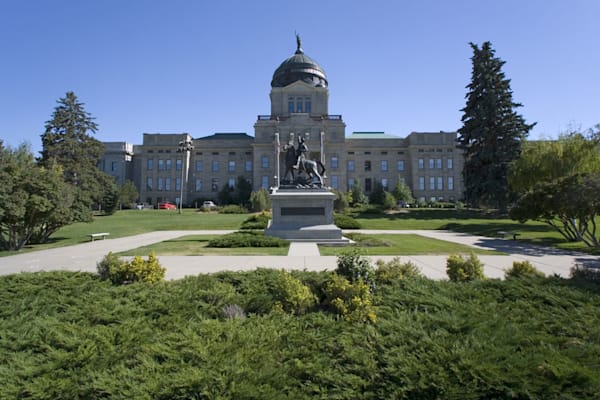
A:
361, 332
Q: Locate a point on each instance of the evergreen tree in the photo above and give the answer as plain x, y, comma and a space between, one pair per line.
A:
67, 142
492, 132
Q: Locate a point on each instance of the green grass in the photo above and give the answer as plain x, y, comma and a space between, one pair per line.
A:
195, 245
403, 244
132, 222
69, 335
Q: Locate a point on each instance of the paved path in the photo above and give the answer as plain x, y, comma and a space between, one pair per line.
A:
83, 257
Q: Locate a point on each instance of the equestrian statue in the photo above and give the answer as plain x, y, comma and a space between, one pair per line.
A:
295, 160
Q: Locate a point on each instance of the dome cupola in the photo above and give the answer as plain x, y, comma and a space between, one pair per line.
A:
299, 67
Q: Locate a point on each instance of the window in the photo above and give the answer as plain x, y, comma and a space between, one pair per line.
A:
178, 165
400, 165
450, 183
334, 162
421, 183
367, 165
440, 183
431, 183
264, 161
421, 163
264, 182
149, 183
299, 105
350, 183
438, 163
334, 182
150, 164
290, 105
198, 186
307, 106
167, 183
161, 165
215, 166
368, 184
198, 165
214, 185
384, 166
350, 165
248, 165
113, 166
231, 183
231, 167
384, 184
449, 163
168, 164
431, 163
177, 183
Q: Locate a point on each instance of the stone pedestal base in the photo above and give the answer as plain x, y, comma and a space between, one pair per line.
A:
304, 215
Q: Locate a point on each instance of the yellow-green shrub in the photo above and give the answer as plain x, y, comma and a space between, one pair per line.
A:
137, 270
291, 294
393, 270
522, 268
352, 301
460, 270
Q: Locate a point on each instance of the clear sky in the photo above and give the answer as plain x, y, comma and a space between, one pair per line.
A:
205, 66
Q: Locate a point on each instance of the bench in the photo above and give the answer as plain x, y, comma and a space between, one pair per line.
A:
102, 235
506, 234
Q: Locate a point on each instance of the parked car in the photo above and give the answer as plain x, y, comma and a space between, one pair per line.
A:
208, 204
167, 206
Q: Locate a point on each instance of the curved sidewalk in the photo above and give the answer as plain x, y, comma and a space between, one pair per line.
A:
83, 257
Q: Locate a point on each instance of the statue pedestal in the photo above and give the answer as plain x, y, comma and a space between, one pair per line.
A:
304, 215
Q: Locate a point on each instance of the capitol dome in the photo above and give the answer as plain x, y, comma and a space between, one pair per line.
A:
299, 67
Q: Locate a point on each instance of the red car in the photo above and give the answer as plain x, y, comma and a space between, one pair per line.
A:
167, 206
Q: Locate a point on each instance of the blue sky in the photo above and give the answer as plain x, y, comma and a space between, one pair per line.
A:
205, 66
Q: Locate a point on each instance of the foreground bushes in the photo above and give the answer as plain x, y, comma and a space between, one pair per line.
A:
459, 269
70, 335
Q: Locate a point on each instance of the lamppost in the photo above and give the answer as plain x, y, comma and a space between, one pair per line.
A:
185, 146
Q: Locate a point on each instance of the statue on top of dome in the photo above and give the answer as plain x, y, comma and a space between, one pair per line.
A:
299, 44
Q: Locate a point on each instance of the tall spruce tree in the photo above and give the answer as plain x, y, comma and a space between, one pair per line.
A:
67, 142
492, 132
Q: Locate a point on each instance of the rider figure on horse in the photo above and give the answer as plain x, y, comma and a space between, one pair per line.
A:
300, 152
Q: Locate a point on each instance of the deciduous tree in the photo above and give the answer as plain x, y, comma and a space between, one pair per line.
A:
35, 200
492, 131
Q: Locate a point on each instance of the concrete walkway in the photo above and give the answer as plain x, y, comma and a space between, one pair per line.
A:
83, 257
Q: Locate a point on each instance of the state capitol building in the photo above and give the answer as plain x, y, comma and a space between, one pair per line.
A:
430, 163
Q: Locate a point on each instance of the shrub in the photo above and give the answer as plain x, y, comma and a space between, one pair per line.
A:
394, 270
246, 239
291, 295
355, 267
351, 301
341, 203
389, 201
344, 221
232, 209
583, 272
461, 270
137, 270
260, 201
256, 221
109, 263
522, 268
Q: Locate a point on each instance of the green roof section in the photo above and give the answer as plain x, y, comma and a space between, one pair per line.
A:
226, 136
372, 135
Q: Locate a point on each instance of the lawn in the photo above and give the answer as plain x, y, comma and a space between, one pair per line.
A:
70, 336
195, 245
132, 222
402, 244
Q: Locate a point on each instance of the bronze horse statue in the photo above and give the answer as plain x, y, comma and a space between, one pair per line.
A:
312, 168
